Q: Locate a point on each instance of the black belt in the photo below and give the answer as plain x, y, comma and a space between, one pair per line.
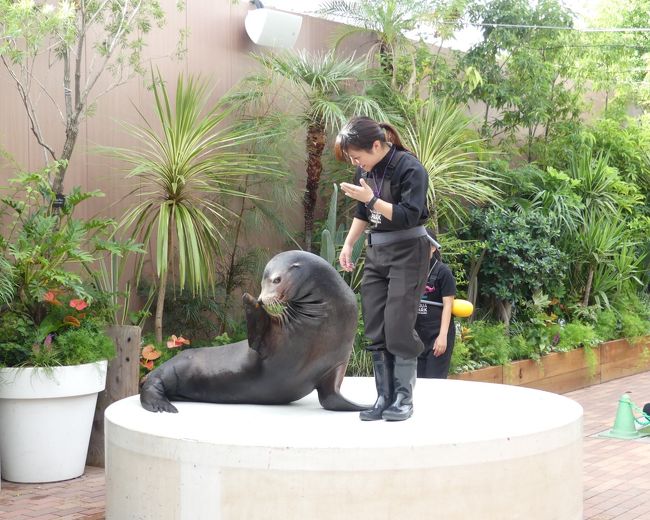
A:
389, 237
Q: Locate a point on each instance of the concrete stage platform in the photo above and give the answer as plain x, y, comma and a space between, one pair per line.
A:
471, 450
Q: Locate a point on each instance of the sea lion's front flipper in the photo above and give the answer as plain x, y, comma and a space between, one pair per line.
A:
329, 393
152, 396
257, 321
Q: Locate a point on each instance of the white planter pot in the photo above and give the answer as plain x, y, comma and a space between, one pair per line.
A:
45, 420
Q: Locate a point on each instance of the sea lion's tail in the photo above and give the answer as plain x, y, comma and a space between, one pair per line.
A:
153, 398
329, 392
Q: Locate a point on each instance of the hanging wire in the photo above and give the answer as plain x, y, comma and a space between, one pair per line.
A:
554, 27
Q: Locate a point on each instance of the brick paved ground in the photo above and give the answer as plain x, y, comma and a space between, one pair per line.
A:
616, 478
75, 499
617, 472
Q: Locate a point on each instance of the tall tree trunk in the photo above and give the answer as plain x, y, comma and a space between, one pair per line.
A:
433, 216
315, 147
486, 115
386, 62
72, 132
590, 279
472, 287
230, 276
160, 302
504, 309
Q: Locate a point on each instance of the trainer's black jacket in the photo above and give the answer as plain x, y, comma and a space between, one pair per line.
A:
407, 181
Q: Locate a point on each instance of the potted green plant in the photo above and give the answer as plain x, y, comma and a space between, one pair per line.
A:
53, 344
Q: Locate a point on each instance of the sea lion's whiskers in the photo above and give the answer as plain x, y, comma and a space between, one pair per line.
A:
309, 310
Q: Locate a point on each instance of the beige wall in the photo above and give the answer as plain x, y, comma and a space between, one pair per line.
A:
218, 48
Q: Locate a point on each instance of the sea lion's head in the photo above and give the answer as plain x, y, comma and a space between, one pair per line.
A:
294, 278
287, 277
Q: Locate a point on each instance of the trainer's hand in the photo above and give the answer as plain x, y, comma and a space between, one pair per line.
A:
439, 346
361, 193
345, 258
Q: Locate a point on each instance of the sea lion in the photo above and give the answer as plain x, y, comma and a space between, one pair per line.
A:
300, 335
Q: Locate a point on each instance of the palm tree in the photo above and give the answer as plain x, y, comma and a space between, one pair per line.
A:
388, 21
183, 170
321, 102
442, 139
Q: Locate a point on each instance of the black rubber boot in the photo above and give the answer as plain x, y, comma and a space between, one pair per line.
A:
404, 381
383, 363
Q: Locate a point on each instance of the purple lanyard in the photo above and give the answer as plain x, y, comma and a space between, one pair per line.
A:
377, 189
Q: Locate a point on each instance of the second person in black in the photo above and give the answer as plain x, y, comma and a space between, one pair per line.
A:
435, 322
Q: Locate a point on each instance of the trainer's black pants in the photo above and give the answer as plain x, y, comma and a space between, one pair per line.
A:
393, 282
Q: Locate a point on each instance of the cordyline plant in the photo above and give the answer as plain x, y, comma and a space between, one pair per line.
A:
187, 164
79, 41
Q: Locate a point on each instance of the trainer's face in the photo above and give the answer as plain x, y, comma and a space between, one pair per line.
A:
367, 159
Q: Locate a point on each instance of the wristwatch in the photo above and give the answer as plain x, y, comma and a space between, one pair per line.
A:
371, 203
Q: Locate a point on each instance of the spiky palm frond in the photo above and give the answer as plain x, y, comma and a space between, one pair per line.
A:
446, 146
598, 239
389, 18
599, 185
316, 74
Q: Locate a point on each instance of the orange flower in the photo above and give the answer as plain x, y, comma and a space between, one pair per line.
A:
50, 297
71, 320
147, 364
175, 342
78, 304
150, 353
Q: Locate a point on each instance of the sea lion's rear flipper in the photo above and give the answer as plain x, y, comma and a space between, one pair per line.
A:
153, 398
329, 393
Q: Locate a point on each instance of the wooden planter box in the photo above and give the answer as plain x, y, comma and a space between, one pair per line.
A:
562, 372
485, 375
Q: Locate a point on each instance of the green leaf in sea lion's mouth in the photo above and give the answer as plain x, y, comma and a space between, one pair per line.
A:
275, 309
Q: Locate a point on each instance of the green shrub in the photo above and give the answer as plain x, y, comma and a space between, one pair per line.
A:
520, 348
521, 254
633, 325
84, 345
607, 325
539, 338
461, 360
488, 343
574, 335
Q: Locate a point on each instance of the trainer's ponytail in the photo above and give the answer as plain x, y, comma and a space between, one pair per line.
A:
361, 132
392, 136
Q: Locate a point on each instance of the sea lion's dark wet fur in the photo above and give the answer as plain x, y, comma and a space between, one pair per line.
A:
306, 346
